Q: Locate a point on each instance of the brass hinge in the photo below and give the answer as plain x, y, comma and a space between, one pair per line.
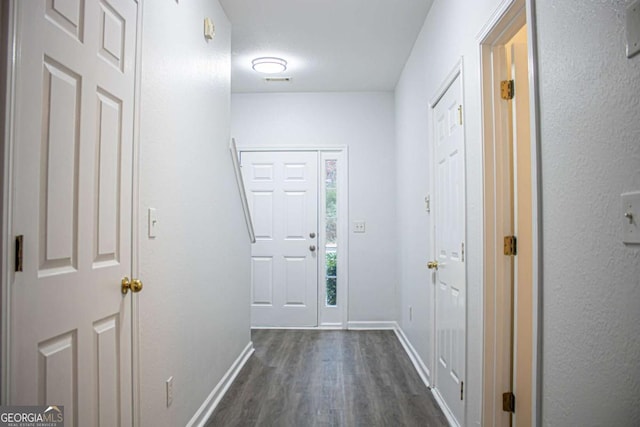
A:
19, 247
508, 402
506, 89
461, 390
460, 114
510, 245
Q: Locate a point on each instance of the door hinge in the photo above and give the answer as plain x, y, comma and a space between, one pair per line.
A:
508, 402
461, 390
506, 89
510, 245
462, 251
19, 247
460, 114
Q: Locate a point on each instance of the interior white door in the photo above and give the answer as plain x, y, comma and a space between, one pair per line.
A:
449, 246
70, 325
282, 192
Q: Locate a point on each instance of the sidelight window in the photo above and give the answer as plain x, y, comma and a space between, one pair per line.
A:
331, 231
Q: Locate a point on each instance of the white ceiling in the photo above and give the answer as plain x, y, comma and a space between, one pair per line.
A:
330, 45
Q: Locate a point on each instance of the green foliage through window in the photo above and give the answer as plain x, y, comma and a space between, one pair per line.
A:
331, 281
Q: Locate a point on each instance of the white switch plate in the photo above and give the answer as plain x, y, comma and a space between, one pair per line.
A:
633, 29
359, 226
631, 217
153, 223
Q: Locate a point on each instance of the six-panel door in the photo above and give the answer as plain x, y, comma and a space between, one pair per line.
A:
282, 192
70, 325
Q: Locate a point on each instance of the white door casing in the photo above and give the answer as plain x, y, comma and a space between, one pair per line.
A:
282, 193
450, 220
70, 325
523, 227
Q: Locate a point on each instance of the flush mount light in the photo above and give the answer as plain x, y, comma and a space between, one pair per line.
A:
269, 65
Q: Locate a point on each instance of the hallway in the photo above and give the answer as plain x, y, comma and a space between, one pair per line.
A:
328, 378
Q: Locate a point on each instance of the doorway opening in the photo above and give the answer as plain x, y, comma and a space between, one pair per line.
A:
511, 216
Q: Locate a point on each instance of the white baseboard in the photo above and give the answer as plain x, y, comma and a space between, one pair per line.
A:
424, 373
445, 409
371, 325
209, 405
422, 369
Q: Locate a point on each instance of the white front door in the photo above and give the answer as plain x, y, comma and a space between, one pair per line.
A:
70, 325
282, 192
450, 275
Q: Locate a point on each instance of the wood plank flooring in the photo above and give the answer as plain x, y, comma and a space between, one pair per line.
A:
303, 378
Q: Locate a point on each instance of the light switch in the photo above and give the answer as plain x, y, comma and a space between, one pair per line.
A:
153, 223
359, 226
631, 217
633, 29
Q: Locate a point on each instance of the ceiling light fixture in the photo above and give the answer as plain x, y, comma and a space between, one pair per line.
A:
269, 65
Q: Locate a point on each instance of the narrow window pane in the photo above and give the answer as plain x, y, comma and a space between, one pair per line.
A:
331, 231
331, 168
331, 208
331, 291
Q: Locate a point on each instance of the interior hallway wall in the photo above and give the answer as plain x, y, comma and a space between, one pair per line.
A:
364, 122
194, 313
590, 109
449, 33
590, 154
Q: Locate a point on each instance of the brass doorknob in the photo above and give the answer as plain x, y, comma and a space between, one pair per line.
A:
432, 265
135, 285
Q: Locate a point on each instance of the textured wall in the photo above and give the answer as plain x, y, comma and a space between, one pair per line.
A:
195, 306
449, 33
363, 122
590, 108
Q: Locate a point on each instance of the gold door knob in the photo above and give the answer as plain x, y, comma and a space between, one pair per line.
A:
432, 265
135, 285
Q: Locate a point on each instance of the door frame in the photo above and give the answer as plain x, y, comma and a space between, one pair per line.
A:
505, 22
136, 228
8, 51
456, 71
343, 227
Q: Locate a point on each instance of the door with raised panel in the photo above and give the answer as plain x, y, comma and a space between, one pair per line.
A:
282, 192
70, 324
450, 276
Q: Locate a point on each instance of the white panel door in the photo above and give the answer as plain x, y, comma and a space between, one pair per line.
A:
70, 325
282, 192
449, 246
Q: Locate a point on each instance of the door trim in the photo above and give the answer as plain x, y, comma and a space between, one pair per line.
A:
506, 20
8, 49
136, 403
343, 227
456, 71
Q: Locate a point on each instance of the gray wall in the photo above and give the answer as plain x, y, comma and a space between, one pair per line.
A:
590, 147
194, 311
590, 108
363, 122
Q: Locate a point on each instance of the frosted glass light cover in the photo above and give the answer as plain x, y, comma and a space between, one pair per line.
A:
269, 65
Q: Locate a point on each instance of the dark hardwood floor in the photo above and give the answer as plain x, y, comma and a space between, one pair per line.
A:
305, 378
